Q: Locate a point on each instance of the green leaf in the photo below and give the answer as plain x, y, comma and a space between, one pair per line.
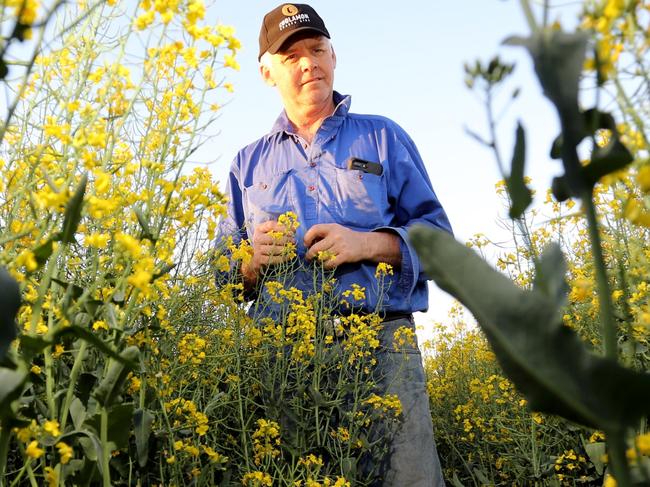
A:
144, 225
560, 188
84, 386
11, 386
596, 452
119, 419
606, 160
520, 194
558, 58
482, 478
31, 345
111, 384
9, 305
142, 421
43, 252
455, 481
4, 70
93, 340
77, 412
91, 445
73, 212
349, 468
546, 361
73, 288
550, 271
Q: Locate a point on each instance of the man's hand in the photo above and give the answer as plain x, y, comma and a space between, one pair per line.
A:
270, 246
348, 246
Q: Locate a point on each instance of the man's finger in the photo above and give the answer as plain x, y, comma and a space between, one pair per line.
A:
318, 246
316, 233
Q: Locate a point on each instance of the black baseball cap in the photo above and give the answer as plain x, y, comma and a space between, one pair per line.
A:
284, 21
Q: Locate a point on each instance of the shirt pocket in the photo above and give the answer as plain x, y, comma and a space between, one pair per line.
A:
268, 198
361, 199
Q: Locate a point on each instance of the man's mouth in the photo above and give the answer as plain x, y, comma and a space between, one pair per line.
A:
311, 81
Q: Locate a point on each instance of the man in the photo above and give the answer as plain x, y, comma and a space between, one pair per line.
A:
356, 184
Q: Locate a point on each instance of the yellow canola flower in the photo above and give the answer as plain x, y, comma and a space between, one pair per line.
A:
27, 259
229, 61
643, 178
325, 255
100, 325
33, 451
403, 336
144, 20
257, 479
28, 9
383, 269
214, 456
97, 240
643, 444
51, 427
65, 452
51, 477
636, 213
357, 292
388, 403
129, 244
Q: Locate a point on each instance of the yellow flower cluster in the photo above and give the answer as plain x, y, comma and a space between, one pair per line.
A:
404, 336
388, 404
266, 439
257, 479
361, 336
191, 348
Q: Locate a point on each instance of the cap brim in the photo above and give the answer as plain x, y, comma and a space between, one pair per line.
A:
275, 47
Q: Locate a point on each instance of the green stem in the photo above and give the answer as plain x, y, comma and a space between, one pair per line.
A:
530, 18
604, 293
106, 453
617, 458
76, 368
242, 420
49, 383
5, 436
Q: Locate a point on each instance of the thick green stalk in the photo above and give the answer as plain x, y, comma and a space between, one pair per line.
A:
530, 18
5, 436
617, 458
106, 452
604, 292
76, 368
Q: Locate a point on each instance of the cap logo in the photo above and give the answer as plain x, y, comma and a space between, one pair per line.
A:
288, 10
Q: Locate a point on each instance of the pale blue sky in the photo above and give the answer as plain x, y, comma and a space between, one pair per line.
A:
405, 60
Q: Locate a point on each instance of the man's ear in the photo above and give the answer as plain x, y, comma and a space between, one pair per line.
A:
265, 71
333, 58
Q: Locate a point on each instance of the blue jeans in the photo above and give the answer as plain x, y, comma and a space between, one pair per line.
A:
413, 458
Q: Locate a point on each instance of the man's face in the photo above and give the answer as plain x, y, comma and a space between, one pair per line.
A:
303, 71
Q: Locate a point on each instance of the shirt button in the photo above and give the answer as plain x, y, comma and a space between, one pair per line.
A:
311, 188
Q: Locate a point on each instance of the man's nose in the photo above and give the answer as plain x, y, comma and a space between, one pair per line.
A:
308, 63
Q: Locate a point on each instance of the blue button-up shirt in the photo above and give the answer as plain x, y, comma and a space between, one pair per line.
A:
281, 172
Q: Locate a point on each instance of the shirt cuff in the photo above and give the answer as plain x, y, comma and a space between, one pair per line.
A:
410, 265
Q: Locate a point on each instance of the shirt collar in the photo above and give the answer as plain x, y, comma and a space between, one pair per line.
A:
341, 102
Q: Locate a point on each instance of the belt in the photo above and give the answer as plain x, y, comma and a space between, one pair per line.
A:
394, 316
